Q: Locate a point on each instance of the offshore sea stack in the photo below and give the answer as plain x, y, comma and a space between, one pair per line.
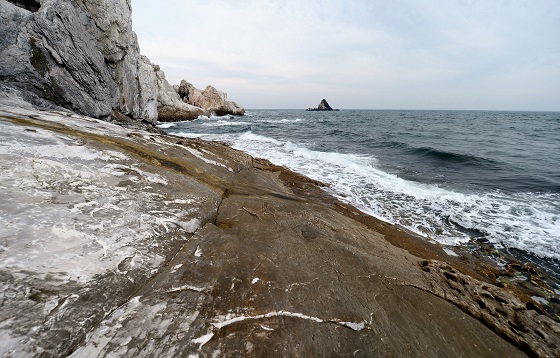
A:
323, 106
84, 56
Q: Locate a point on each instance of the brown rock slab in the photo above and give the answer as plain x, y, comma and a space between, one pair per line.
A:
273, 267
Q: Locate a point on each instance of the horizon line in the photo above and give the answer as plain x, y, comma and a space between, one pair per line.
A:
408, 109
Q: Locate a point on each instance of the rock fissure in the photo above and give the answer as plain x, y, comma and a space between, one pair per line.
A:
30, 5
217, 326
252, 213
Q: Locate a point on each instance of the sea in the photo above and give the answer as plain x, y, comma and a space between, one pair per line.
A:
455, 177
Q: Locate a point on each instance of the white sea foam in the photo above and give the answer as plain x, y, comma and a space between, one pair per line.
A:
526, 221
227, 116
283, 121
221, 123
256, 138
166, 125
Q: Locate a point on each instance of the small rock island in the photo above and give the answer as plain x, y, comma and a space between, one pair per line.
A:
323, 106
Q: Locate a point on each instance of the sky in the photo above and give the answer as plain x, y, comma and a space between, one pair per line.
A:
371, 54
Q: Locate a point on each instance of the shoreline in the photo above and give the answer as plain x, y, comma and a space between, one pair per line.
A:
455, 206
536, 279
478, 261
293, 230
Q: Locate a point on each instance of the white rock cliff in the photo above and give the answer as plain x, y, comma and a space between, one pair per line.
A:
84, 56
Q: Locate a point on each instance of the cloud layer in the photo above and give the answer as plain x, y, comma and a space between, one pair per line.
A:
360, 54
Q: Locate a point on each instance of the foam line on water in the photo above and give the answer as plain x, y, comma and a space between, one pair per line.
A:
526, 221
220, 123
282, 121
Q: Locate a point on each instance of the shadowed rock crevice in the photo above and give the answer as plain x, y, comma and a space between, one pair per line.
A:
30, 5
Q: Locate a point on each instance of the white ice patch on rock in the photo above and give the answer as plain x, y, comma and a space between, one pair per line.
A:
203, 339
76, 212
187, 287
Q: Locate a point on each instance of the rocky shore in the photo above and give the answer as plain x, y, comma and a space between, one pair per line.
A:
117, 240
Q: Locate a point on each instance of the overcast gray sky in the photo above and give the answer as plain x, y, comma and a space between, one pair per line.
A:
399, 54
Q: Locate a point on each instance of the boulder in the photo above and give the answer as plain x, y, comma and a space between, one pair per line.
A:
216, 102
211, 100
190, 94
170, 107
79, 55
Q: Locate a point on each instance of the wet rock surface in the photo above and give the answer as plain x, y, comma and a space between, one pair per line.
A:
117, 241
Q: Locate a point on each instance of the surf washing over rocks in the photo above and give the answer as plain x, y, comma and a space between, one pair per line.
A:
450, 176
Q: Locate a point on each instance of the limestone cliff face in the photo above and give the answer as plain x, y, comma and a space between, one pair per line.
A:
77, 54
83, 56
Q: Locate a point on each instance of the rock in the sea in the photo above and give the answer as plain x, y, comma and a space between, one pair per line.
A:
211, 100
186, 102
79, 55
323, 106
170, 107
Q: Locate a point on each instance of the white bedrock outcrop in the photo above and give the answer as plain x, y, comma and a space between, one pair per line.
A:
84, 56
80, 55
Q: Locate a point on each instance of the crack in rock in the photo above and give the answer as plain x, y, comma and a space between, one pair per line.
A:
202, 340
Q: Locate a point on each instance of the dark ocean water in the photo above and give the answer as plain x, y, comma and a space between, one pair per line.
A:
451, 176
